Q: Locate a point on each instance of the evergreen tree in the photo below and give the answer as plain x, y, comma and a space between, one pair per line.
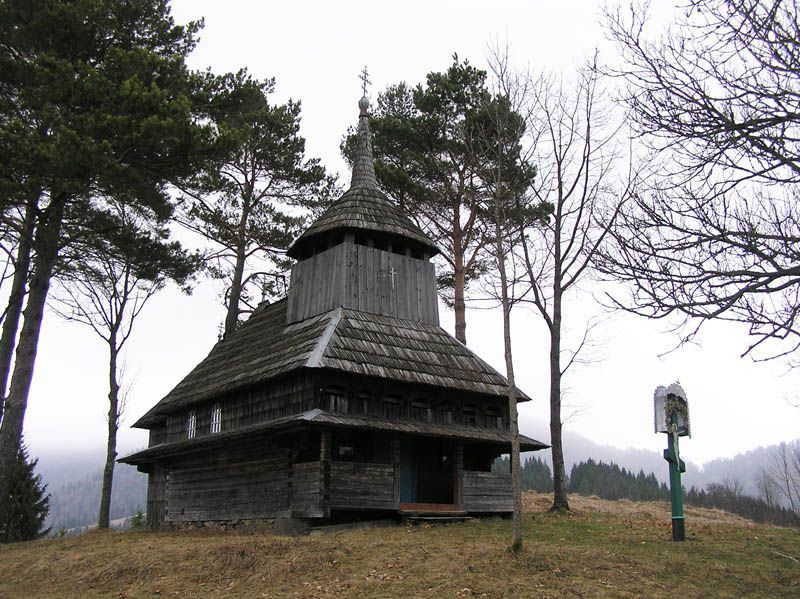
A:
536, 476
609, 481
425, 162
96, 101
253, 200
27, 501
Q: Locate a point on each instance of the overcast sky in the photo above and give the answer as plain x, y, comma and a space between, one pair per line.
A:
315, 51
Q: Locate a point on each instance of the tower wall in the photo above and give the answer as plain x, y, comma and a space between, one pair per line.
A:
363, 278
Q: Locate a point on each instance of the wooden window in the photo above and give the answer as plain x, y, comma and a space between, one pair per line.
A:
334, 399
392, 407
444, 413
191, 425
494, 418
421, 410
216, 418
470, 415
361, 403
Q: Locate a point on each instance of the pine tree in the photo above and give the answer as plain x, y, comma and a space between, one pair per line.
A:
28, 503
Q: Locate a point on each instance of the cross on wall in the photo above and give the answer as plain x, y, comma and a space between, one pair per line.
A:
392, 274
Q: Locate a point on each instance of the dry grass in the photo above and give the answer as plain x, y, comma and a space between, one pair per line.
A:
600, 549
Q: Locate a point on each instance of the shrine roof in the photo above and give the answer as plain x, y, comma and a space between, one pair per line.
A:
348, 341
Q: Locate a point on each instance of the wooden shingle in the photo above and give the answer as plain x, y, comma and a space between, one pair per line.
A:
265, 347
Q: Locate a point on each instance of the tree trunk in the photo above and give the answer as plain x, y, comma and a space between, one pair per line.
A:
46, 244
235, 295
16, 297
459, 280
512, 388
113, 424
559, 474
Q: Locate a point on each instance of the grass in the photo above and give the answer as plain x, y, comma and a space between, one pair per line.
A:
600, 549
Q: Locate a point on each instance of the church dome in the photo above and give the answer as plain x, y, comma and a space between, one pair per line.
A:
363, 208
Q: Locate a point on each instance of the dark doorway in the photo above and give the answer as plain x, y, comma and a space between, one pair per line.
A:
426, 471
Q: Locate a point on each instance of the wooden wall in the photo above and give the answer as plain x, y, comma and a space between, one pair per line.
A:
359, 486
308, 490
486, 492
227, 491
156, 497
278, 399
360, 278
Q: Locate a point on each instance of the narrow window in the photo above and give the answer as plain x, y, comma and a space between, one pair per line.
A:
361, 404
392, 408
191, 425
216, 418
494, 419
421, 410
444, 413
470, 415
334, 399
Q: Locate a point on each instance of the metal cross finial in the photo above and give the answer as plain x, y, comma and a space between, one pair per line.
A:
364, 76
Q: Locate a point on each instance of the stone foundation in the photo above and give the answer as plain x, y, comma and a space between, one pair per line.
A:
248, 526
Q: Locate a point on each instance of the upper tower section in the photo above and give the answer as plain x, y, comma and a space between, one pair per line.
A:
363, 208
363, 253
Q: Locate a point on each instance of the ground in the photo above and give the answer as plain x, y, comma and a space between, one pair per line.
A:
600, 549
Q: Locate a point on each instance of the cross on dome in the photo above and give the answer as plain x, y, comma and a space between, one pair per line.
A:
365, 81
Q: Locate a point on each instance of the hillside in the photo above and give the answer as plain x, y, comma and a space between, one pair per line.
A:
602, 549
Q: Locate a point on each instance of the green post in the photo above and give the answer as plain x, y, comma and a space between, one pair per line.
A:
676, 466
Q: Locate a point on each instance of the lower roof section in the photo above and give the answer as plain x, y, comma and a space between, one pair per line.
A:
327, 420
343, 340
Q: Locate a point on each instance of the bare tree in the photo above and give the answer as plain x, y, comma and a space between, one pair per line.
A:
785, 473
715, 100
573, 137
768, 489
107, 290
494, 137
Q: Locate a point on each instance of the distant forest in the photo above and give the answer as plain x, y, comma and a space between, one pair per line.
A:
77, 504
609, 481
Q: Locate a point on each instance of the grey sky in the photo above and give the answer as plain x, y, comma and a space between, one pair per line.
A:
315, 51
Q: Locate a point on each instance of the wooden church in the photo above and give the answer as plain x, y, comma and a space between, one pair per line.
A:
345, 397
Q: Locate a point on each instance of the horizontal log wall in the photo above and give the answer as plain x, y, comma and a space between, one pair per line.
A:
366, 279
242, 408
362, 486
485, 492
156, 497
245, 490
307, 490
366, 396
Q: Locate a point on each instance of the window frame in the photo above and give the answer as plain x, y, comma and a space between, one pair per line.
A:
191, 424
216, 419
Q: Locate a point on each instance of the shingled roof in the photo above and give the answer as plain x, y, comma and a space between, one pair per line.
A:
327, 419
364, 207
265, 347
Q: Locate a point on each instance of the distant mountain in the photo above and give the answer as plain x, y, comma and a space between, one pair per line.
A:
578, 448
745, 467
74, 480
